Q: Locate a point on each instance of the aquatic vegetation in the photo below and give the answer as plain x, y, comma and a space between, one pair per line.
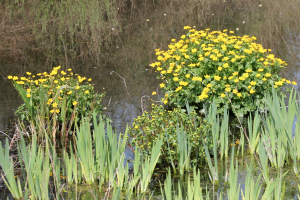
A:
194, 189
56, 96
253, 132
7, 165
172, 126
206, 65
277, 131
252, 187
234, 190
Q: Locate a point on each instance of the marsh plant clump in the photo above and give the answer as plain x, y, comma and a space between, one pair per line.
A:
206, 65
61, 96
168, 124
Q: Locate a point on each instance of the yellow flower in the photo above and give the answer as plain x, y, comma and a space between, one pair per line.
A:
162, 85
57, 110
217, 78
69, 69
178, 88
56, 81
159, 69
235, 91
70, 92
207, 76
225, 65
165, 101
268, 75
188, 75
223, 95
77, 87
28, 95
253, 83
257, 75
241, 78
260, 70
252, 91
209, 85
86, 92
288, 82
236, 80
264, 79
245, 75
10, 77
154, 93
194, 50
239, 94
136, 127
63, 79
28, 73
51, 111
235, 73
89, 79
15, 78
175, 78
294, 83
227, 89
75, 103
54, 105
248, 70
184, 83
220, 68
28, 90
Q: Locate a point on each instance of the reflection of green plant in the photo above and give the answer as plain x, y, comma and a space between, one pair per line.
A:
204, 65
161, 123
56, 95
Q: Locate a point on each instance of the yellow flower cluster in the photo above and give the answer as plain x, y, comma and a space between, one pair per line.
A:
208, 64
57, 82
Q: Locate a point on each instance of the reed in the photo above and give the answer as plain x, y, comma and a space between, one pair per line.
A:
234, 189
214, 172
253, 129
7, 165
194, 189
252, 187
183, 150
224, 134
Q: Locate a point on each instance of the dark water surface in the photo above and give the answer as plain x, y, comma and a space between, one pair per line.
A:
125, 74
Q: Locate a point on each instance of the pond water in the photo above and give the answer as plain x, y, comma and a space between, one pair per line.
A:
125, 74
